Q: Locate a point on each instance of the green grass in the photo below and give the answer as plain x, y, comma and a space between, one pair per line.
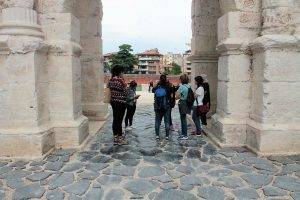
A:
139, 88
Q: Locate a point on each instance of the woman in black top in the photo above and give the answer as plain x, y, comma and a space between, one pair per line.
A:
206, 99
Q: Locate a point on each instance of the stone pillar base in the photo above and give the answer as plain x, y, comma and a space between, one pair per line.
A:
71, 134
95, 111
267, 139
26, 144
227, 132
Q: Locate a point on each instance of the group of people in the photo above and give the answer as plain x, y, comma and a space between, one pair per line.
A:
191, 102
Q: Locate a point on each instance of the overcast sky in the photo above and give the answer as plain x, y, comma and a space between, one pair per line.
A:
146, 24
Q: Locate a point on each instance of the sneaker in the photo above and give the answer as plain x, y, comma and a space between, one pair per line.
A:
195, 133
157, 138
167, 138
122, 141
116, 140
182, 137
127, 128
172, 128
130, 128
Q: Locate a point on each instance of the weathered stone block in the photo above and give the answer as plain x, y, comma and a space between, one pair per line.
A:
276, 66
234, 99
234, 68
240, 5
26, 143
265, 139
228, 131
61, 26
57, 6
91, 45
71, 134
240, 25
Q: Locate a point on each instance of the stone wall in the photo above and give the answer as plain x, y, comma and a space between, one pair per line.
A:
50, 53
258, 72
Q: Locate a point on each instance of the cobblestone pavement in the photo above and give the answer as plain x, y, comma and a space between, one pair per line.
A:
147, 169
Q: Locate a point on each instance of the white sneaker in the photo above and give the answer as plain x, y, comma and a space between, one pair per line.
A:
127, 128
130, 128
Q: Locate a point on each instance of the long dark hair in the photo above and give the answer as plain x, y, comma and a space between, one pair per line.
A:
116, 70
163, 79
199, 81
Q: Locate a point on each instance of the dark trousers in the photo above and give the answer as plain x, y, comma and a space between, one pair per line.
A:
159, 115
203, 119
129, 115
170, 117
118, 116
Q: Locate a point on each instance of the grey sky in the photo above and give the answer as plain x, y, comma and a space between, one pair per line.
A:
146, 24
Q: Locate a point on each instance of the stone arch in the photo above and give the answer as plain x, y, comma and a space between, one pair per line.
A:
204, 57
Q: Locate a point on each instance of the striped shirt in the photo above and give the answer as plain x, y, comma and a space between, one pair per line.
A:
118, 90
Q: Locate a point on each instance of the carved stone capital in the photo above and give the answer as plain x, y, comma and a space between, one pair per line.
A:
18, 21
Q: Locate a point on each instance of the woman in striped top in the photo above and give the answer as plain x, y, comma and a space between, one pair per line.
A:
118, 91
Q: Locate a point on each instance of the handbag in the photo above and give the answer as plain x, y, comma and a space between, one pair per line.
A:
202, 109
107, 95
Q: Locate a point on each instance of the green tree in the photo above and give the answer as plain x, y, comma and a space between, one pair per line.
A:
176, 70
125, 58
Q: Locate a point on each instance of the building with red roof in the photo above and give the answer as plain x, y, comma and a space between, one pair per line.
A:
150, 62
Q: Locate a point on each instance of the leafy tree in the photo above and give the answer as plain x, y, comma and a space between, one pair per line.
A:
125, 58
167, 71
176, 70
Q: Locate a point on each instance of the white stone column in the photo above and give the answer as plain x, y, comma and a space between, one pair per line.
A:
204, 57
89, 13
238, 26
274, 127
62, 31
25, 129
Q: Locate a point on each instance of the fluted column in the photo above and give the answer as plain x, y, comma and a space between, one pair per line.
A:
238, 26
24, 109
90, 15
274, 127
19, 19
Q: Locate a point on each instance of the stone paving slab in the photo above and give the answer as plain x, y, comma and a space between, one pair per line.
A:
147, 169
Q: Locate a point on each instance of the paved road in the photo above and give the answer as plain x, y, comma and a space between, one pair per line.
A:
146, 169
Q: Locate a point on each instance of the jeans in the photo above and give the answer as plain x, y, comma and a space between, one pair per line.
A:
129, 115
203, 118
158, 118
196, 119
118, 116
183, 124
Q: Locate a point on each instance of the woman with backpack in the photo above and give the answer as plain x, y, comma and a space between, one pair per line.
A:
118, 93
186, 99
131, 105
162, 99
198, 108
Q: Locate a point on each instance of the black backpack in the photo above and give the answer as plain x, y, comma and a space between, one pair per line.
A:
190, 97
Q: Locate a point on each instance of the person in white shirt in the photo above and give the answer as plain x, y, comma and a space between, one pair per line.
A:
199, 95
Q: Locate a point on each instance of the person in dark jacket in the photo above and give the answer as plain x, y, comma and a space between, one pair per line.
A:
172, 104
162, 98
131, 105
118, 99
206, 99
